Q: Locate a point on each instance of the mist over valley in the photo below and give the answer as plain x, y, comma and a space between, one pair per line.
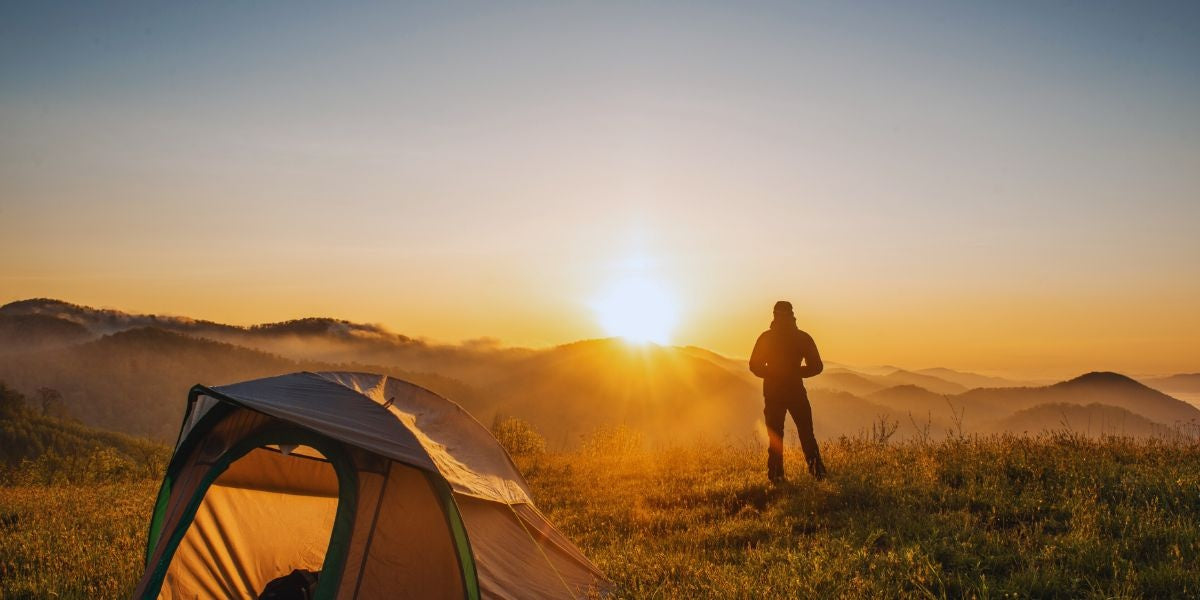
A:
130, 373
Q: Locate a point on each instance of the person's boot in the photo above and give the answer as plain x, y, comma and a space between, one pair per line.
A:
816, 468
775, 468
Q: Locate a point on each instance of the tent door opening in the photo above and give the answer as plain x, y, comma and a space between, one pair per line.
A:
272, 505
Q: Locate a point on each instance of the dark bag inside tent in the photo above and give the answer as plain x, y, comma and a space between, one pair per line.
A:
300, 584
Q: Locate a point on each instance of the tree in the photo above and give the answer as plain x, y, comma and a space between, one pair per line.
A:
52, 403
12, 403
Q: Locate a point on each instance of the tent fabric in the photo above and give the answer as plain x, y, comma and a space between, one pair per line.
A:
316, 403
270, 471
395, 567
392, 418
506, 550
370, 490
193, 468
413, 469
464, 450
237, 543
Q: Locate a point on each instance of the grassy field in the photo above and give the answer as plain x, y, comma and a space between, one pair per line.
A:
1052, 517
70, 541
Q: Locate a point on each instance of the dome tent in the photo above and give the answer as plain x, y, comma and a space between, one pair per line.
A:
385, 488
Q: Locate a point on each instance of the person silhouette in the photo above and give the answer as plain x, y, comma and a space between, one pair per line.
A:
783, 356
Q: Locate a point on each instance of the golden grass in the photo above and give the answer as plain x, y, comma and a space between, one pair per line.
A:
1003, 517
73, 541
985, 518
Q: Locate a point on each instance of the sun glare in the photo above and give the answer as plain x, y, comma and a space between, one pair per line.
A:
638, 310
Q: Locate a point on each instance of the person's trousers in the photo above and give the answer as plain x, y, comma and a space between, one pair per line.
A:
776, 410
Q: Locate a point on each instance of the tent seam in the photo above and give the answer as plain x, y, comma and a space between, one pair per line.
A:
362, 566
542, 551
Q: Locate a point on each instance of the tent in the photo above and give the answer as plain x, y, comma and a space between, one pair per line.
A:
385, 488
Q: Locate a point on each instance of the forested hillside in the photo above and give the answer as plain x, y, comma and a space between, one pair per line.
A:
47, 448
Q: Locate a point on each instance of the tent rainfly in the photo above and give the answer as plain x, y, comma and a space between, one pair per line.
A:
384, 488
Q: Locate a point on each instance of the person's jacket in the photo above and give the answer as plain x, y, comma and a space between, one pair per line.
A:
783, 356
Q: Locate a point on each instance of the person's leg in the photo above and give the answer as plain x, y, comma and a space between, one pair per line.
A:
802, 415
775, 412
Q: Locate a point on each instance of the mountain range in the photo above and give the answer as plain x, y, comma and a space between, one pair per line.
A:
130, 373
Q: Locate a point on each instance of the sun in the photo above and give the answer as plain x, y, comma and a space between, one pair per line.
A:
637, 309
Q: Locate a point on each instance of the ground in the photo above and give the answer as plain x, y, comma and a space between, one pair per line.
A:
1056, 516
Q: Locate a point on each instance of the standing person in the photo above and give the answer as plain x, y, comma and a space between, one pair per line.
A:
783, 356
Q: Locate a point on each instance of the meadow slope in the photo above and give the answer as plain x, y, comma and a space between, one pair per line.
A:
1049, 517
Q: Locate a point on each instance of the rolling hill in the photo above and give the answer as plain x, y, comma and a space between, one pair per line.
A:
864, 382
845, 380
929, 382
136, 381
1091, 420
919, 406
842, 413
318, 339
1112, 389
969, 380
1185, 383
65, 450
131, 373
668, 394
29, 332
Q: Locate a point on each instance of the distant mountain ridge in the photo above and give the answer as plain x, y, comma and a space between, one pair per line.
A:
103, 321
1107, 388
321, 339
36, 331
844, 380
131, 373
1188, 383
859, 382
1090, 419
969, 380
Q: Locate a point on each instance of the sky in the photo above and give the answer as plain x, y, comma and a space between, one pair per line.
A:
1003, 187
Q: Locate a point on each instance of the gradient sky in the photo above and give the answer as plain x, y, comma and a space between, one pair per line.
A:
1013, 187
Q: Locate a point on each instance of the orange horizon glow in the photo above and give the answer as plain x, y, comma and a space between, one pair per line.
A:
1021, 345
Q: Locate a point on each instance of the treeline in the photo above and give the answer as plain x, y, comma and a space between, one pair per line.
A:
41, 445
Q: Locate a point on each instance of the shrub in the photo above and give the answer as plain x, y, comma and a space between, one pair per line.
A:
518, 437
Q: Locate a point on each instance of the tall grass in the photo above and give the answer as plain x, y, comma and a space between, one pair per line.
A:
1051, 517
999, 517
71, 541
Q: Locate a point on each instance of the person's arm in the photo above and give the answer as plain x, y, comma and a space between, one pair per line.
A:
758, 360
812, 360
